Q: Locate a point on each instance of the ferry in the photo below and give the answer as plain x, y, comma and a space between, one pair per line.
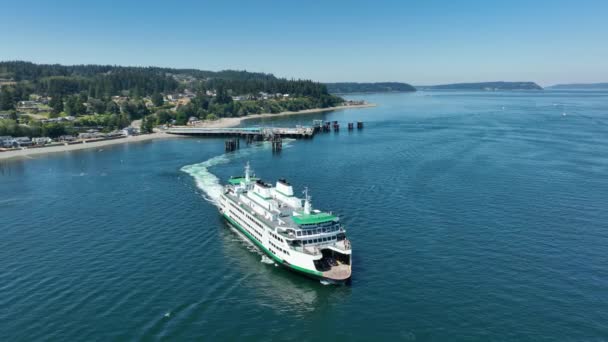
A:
287, 228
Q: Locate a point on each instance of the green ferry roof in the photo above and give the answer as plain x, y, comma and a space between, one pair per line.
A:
238, 180
313, 218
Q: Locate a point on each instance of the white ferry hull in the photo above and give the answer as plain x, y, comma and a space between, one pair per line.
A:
297, 262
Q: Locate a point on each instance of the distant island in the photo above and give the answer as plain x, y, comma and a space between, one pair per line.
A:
379, 87
485, 86
580, 86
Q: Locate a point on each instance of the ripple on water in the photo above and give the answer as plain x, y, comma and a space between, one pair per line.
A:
456, 207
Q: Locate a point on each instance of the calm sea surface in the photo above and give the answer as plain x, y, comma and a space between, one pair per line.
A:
473, 216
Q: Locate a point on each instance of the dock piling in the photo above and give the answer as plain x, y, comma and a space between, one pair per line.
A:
277, 143
231, 145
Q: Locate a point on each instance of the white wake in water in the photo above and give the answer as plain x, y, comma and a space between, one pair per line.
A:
205, 180
210, 183
266, 260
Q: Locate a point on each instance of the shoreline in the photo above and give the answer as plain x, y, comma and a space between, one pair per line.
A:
232, 122
220, 123
28, 152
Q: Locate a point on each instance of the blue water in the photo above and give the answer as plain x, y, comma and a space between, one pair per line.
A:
473, 216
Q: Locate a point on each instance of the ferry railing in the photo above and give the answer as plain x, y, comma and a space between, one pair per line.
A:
312, 250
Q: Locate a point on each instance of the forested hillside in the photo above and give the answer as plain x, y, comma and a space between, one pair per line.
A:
112, 96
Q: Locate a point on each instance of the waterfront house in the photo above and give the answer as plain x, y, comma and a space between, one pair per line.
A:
193, 121
67, 138
91, 134
23, 141
6, 141
114, 134
41, 140
129, 131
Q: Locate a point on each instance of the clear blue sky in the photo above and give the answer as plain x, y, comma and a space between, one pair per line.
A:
420, 42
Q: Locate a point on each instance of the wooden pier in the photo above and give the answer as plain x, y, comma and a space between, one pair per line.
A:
274, 135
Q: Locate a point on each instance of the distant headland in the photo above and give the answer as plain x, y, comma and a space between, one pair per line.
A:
377, 87
490, 86
580, 86
388, 87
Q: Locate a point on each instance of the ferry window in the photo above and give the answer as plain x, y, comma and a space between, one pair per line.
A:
316, 240
299, 233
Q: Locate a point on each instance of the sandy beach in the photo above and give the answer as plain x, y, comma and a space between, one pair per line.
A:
232, 122
221, 123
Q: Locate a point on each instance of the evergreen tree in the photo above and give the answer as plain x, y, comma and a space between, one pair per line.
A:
147, 125
13, 115
181, 118
142, 126
222, 96
72, 106
56, 105
163, 116
112, 107
157, 99
6, 99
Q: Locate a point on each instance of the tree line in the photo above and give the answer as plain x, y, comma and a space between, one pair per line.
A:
105, 80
